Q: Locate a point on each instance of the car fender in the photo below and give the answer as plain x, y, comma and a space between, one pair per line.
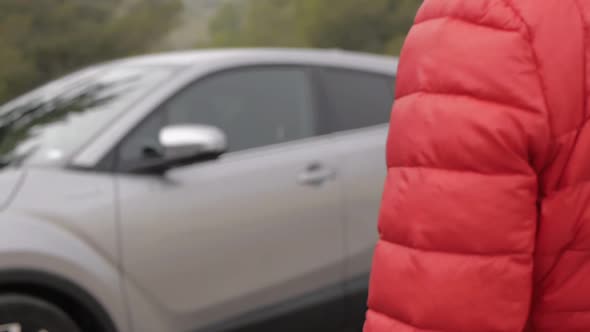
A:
31, 247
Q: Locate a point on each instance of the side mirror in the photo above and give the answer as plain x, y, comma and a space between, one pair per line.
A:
192, 141
186, 144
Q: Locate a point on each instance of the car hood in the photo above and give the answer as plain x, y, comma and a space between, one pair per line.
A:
10, 180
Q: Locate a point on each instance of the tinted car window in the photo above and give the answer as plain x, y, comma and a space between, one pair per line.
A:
357, 99
254, 107
142, 141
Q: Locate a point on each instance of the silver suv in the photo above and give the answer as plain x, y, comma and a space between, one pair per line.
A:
221, 190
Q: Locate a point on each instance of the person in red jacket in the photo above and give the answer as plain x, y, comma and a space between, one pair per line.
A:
485, 219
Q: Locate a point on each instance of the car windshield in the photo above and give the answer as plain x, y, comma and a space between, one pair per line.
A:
50, 123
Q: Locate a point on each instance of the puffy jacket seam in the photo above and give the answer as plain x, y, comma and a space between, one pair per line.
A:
467, 95
578, 129
561, 252
455, 253
465, 20
392, 317
549, 312
458, 170
584, 55
547, 114
560, 190
573, 130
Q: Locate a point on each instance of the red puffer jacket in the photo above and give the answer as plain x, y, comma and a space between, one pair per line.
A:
485, 220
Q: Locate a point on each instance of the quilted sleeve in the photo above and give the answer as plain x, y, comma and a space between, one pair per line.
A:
468, 133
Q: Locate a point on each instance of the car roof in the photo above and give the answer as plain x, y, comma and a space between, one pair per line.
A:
321, 57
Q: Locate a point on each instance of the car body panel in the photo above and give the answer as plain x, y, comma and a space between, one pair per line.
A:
33, 244
363, 174
245, 233
199, 64
171, 253
81, 203
10, 180
63, 222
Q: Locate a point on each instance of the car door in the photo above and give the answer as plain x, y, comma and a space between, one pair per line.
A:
253, 240
358, 104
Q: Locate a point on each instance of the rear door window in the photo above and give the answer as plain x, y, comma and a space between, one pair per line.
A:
356, 99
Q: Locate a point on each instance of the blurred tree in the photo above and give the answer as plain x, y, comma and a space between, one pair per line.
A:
401, 21
137, 29
226, 26
273, 23
43, 39
257, 23
349, 24
373, 26
15, 70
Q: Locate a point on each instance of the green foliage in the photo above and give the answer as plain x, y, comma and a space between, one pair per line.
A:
373, 26
227, 26
15, 70
143, 24
257, 23
43, 39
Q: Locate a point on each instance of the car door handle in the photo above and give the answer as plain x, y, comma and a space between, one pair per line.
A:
316, 174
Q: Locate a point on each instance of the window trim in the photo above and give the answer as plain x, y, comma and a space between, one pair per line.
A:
110, 161
321, 107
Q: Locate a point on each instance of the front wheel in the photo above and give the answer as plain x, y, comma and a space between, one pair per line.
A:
21, 313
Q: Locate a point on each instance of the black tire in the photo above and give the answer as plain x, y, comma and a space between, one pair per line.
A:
33, 315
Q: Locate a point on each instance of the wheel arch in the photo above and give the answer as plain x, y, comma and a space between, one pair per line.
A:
64, 293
